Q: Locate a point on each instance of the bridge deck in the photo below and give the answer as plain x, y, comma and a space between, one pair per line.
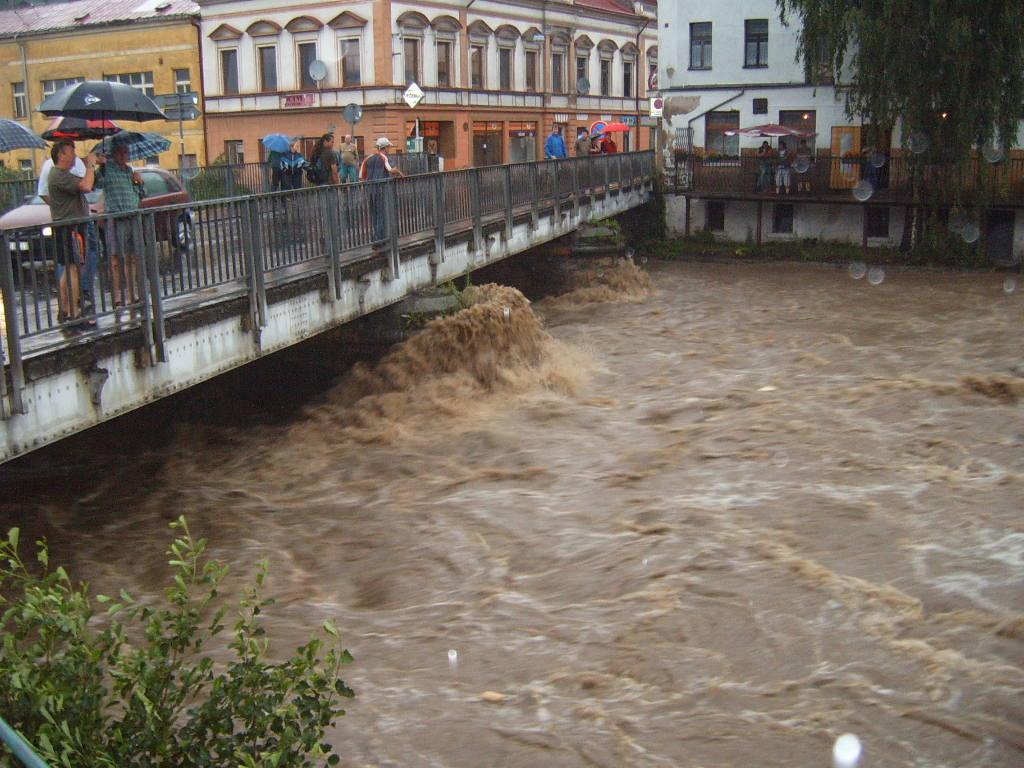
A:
263, 272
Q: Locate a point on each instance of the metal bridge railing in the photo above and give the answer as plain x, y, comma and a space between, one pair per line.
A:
204, 252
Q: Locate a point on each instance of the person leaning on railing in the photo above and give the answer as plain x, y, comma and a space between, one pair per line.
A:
67, 201
121, 194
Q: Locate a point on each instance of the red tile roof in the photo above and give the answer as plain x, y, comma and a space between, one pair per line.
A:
90, 13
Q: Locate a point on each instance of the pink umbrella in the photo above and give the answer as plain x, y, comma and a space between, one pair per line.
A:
769, 131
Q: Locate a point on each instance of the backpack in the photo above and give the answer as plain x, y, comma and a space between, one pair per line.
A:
315, 172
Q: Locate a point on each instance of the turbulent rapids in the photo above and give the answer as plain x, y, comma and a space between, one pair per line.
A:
705, 515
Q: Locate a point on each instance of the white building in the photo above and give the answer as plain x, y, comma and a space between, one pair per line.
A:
732, 64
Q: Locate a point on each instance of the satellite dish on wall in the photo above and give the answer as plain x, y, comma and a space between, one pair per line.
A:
317, 70
583, 86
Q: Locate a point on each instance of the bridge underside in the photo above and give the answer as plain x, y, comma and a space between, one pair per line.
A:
82, 384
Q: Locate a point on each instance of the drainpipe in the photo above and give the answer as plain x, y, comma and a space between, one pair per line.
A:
202, 91
636, 86
24, 77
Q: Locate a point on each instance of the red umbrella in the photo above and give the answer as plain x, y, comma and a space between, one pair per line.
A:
616, 128
78, 129
769, 131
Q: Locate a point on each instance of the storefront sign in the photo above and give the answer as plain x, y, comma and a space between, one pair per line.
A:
294, 100
628, 119
648, 122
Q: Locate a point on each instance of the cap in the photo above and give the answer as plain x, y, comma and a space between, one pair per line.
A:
384, 141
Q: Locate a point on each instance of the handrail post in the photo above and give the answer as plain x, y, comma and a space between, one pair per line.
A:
607, 180
551, 173
478, 224
394, 228
534, 204
508, 202
575, 187
439, 218
330, 222
13, 338
258, 260
153, 280
240, 210
142, 286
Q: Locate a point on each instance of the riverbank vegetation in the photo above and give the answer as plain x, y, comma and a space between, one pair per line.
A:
134, 683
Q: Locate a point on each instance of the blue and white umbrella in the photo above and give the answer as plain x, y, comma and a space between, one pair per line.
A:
14, 135
277, 142
140, 145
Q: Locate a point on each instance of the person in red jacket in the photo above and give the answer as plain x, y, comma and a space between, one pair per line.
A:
608, 146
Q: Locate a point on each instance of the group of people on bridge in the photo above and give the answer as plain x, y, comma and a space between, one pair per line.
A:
585, 145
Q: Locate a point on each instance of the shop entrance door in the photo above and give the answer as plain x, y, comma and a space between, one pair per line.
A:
522, 142
487, 140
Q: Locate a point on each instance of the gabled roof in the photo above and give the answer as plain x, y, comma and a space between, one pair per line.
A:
83, 14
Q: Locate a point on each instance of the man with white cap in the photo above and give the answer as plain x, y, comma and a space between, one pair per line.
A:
377, 167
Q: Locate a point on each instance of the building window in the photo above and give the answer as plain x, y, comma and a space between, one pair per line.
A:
182, 81
804, 120
411, 59
878, 221
476, 66
50, 87
505, 69
627, 78
444, 64
229, 71
558, 73
700, 45
715, 140
760, 107
782, 219
582, 68
20, 100
268, 67
606, 77
234, 152
756, 43
531, 71
142, 81
351, 69
25, 164
714, 216
307, 55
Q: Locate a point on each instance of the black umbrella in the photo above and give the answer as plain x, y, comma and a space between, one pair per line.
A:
101, 100
14, 135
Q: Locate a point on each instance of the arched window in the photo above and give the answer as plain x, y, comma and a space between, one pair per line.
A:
265, 35
583, 46
411, 28
606, 56
348, 30
479, 43
630, 53
446, 43
508, 37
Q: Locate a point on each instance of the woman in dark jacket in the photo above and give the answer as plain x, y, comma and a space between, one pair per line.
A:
292, 165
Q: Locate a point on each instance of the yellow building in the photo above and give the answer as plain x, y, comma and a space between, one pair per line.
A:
149, 44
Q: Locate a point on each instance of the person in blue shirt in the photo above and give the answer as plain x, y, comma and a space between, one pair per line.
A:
554, 147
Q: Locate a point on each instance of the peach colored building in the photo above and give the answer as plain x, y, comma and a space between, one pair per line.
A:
495, 75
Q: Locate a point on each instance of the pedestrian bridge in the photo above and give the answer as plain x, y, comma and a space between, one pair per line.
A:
223, 282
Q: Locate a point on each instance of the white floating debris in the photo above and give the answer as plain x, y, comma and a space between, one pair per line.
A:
768, 388
453, 658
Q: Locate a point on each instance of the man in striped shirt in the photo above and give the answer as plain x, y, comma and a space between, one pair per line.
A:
121, 185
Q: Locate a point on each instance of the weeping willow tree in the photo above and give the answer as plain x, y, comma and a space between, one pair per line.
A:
950, 72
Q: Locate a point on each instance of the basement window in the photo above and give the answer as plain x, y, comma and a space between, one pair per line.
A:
783, 219
714, 216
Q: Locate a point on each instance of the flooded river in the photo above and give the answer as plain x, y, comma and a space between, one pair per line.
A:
715, 525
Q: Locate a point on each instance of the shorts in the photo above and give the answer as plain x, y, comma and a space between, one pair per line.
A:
120, 237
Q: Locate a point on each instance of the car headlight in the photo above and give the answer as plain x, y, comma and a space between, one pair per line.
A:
47, 231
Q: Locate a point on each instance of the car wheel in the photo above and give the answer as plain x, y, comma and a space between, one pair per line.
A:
183, 232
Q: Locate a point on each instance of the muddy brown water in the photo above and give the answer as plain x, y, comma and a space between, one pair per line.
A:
716, 525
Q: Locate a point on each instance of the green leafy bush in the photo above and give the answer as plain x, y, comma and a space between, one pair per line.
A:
136, 687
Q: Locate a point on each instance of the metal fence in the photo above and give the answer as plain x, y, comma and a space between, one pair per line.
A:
222, 180
66, 281
890, 178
